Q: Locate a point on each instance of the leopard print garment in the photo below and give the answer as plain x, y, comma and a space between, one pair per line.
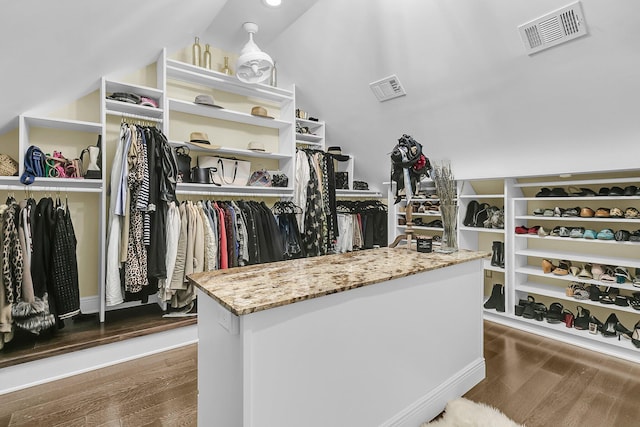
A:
12, 260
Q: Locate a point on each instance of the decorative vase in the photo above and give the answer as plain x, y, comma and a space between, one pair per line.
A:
226, 68
207, 57
449, 243
196, 52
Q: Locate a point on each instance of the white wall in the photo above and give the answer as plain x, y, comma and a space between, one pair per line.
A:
474, 97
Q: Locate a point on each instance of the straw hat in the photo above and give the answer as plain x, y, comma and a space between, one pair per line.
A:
260, 112
201, 139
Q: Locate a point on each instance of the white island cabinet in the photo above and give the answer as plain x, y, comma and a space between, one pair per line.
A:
381, 337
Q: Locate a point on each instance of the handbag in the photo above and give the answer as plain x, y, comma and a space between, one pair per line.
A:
203, 175
279, 179
8, 166
184, 164
229, 171
260, 178
93, 169
34, 165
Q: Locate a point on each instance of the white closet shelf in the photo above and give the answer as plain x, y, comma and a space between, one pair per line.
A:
117, 107
308, 137
62, 124
434, 213
310, 123
182, 71
481, 196
112, 86
482, 229
532, 270
576, 183
227, 151
564, 199
577, 219
578, 257
581, 240
224, 114
77, 185
421, 227
233, 190
358, 193
486, 263
314, 144
559, 294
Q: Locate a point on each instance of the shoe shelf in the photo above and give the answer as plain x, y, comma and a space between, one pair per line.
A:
580, 257
577, 240
480, 196
422, 214
189, 107
482, 229
622, 349
571, 198
487, 266
178, 70
307, 138
531, 270
577, 218
558, 293
577, 183
116, 108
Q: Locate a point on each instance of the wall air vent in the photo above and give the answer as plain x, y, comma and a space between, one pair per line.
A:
557, 27
387, 88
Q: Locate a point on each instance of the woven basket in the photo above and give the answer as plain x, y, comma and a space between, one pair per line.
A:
8, 166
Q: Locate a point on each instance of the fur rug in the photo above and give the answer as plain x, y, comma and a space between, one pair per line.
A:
465, 413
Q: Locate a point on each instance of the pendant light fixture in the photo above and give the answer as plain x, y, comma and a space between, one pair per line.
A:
253, 66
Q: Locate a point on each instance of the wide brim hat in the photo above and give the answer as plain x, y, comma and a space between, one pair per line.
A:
256, 146
201, 139
206, 100
336, 153
260, 112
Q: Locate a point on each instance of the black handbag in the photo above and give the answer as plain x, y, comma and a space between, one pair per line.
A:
203, 175
279, 180
342, 180
184, 164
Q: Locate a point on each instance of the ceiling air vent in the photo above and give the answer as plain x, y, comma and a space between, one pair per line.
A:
557, 27
387, 88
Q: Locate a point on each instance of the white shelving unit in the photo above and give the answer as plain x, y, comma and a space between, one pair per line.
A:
524, 253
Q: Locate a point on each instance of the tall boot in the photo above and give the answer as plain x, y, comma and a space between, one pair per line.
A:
496, 296
495, 256
500, 304
501, 263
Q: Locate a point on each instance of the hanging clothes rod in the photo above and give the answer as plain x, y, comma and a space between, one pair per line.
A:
134, 116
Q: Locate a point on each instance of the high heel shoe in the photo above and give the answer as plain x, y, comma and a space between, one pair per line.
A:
581, 320
595, 325
547, 266
609, 326
622, 331
635, 337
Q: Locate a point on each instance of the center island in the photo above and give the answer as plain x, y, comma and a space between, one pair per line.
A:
380, 337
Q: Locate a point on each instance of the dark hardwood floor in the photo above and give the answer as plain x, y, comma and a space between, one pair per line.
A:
533, 380
85, 331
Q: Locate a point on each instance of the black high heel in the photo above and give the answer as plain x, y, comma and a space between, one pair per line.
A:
609, 327
635, 337
581, 321
622, 331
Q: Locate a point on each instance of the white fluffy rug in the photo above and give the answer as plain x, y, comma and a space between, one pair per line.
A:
465, 413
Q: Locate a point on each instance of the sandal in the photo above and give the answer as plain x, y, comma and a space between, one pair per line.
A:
554, 314
609, 275
596, 271
585, 273
547, 266
634, 301
563, 268
622, 275
609, 296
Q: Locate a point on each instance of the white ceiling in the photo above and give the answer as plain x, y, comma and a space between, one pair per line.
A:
53, 52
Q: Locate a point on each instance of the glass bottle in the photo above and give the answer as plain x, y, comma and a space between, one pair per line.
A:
274, 75
207, 57
196, 51
226, 68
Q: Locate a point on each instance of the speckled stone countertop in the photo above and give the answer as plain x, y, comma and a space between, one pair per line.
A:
248, 289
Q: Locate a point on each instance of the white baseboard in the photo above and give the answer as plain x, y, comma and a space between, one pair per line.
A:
433, 403
41, 371
89, 305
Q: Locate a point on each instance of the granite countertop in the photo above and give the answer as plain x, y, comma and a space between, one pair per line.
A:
244, 290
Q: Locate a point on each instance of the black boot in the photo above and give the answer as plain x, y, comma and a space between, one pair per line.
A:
495, 256
496, 296
501, 263
500, 304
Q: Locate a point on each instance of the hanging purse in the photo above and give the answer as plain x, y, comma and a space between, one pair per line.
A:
184, 164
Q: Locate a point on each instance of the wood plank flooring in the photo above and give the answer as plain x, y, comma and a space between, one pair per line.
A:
86, 331
533, 380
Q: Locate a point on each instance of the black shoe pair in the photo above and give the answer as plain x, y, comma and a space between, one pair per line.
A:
496, 300
497, 256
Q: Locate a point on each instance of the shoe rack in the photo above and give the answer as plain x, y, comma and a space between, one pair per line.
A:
526, 200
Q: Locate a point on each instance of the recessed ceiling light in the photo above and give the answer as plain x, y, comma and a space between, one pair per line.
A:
272, 3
